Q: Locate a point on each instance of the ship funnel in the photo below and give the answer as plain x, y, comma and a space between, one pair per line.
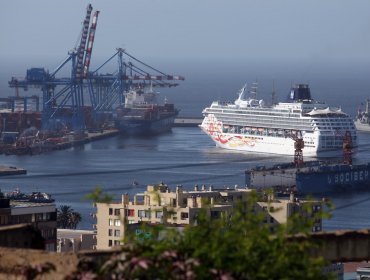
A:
299, 92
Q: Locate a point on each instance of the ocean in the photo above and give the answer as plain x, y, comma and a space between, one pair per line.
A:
186, 156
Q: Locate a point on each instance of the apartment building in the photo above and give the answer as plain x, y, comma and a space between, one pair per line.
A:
158, 205
278, 210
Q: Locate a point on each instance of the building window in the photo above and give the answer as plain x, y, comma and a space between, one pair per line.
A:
110, 231
143, 214
184, 216
215, 214
109, 243
3, 220
117, 233
48, 216
111, 222
117, 242
38, 217
159, 214
117, 222
131, 212
271, 220
110, 211
117, 212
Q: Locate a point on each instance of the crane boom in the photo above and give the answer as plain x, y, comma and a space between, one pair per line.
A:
81, 48
90, 43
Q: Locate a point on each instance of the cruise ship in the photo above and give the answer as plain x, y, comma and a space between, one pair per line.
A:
249, 125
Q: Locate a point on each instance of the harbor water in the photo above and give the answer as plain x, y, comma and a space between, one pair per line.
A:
187, 156
184, 156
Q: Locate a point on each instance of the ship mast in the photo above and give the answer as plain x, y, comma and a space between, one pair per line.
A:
253, 90
273, 94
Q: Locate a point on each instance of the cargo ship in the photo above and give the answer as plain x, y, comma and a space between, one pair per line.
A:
141, 115
249, 125
315, 177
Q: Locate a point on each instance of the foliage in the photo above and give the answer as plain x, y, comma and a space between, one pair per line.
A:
98, 196
67, 217
237, 246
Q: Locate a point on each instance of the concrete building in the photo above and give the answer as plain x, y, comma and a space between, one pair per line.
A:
69, 240
159, 205
21, 236
278, 210
42, 216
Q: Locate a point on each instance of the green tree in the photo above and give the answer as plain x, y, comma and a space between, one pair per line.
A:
75, 219
67, 217
237, 246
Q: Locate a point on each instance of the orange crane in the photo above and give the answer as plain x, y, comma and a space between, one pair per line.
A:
296, 135
347, 146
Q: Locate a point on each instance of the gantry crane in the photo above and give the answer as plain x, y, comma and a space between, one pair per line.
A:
107, 90
63, 98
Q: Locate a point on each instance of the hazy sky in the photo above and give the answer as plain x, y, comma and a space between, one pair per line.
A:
314, 30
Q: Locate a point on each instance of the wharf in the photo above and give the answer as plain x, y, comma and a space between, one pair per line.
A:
187, 122
91, 136
11, 170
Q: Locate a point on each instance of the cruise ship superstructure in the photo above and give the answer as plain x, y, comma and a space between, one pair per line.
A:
249, 125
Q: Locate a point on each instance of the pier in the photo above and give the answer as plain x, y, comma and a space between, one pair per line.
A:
187, 122
91, 136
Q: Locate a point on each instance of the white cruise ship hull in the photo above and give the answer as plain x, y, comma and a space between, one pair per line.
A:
248, 125
265, 144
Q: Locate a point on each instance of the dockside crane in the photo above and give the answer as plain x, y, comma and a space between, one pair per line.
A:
347, 145
296, 135
63, 98
107, 90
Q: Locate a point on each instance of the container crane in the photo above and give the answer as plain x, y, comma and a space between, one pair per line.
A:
107, 90
65, 106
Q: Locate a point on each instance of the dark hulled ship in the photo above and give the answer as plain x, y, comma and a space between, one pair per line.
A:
141, 114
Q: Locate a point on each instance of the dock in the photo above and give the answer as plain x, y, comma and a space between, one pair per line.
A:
91, 136
187, 122
11, 170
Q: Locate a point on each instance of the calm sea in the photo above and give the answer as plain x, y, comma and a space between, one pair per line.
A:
186, 156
